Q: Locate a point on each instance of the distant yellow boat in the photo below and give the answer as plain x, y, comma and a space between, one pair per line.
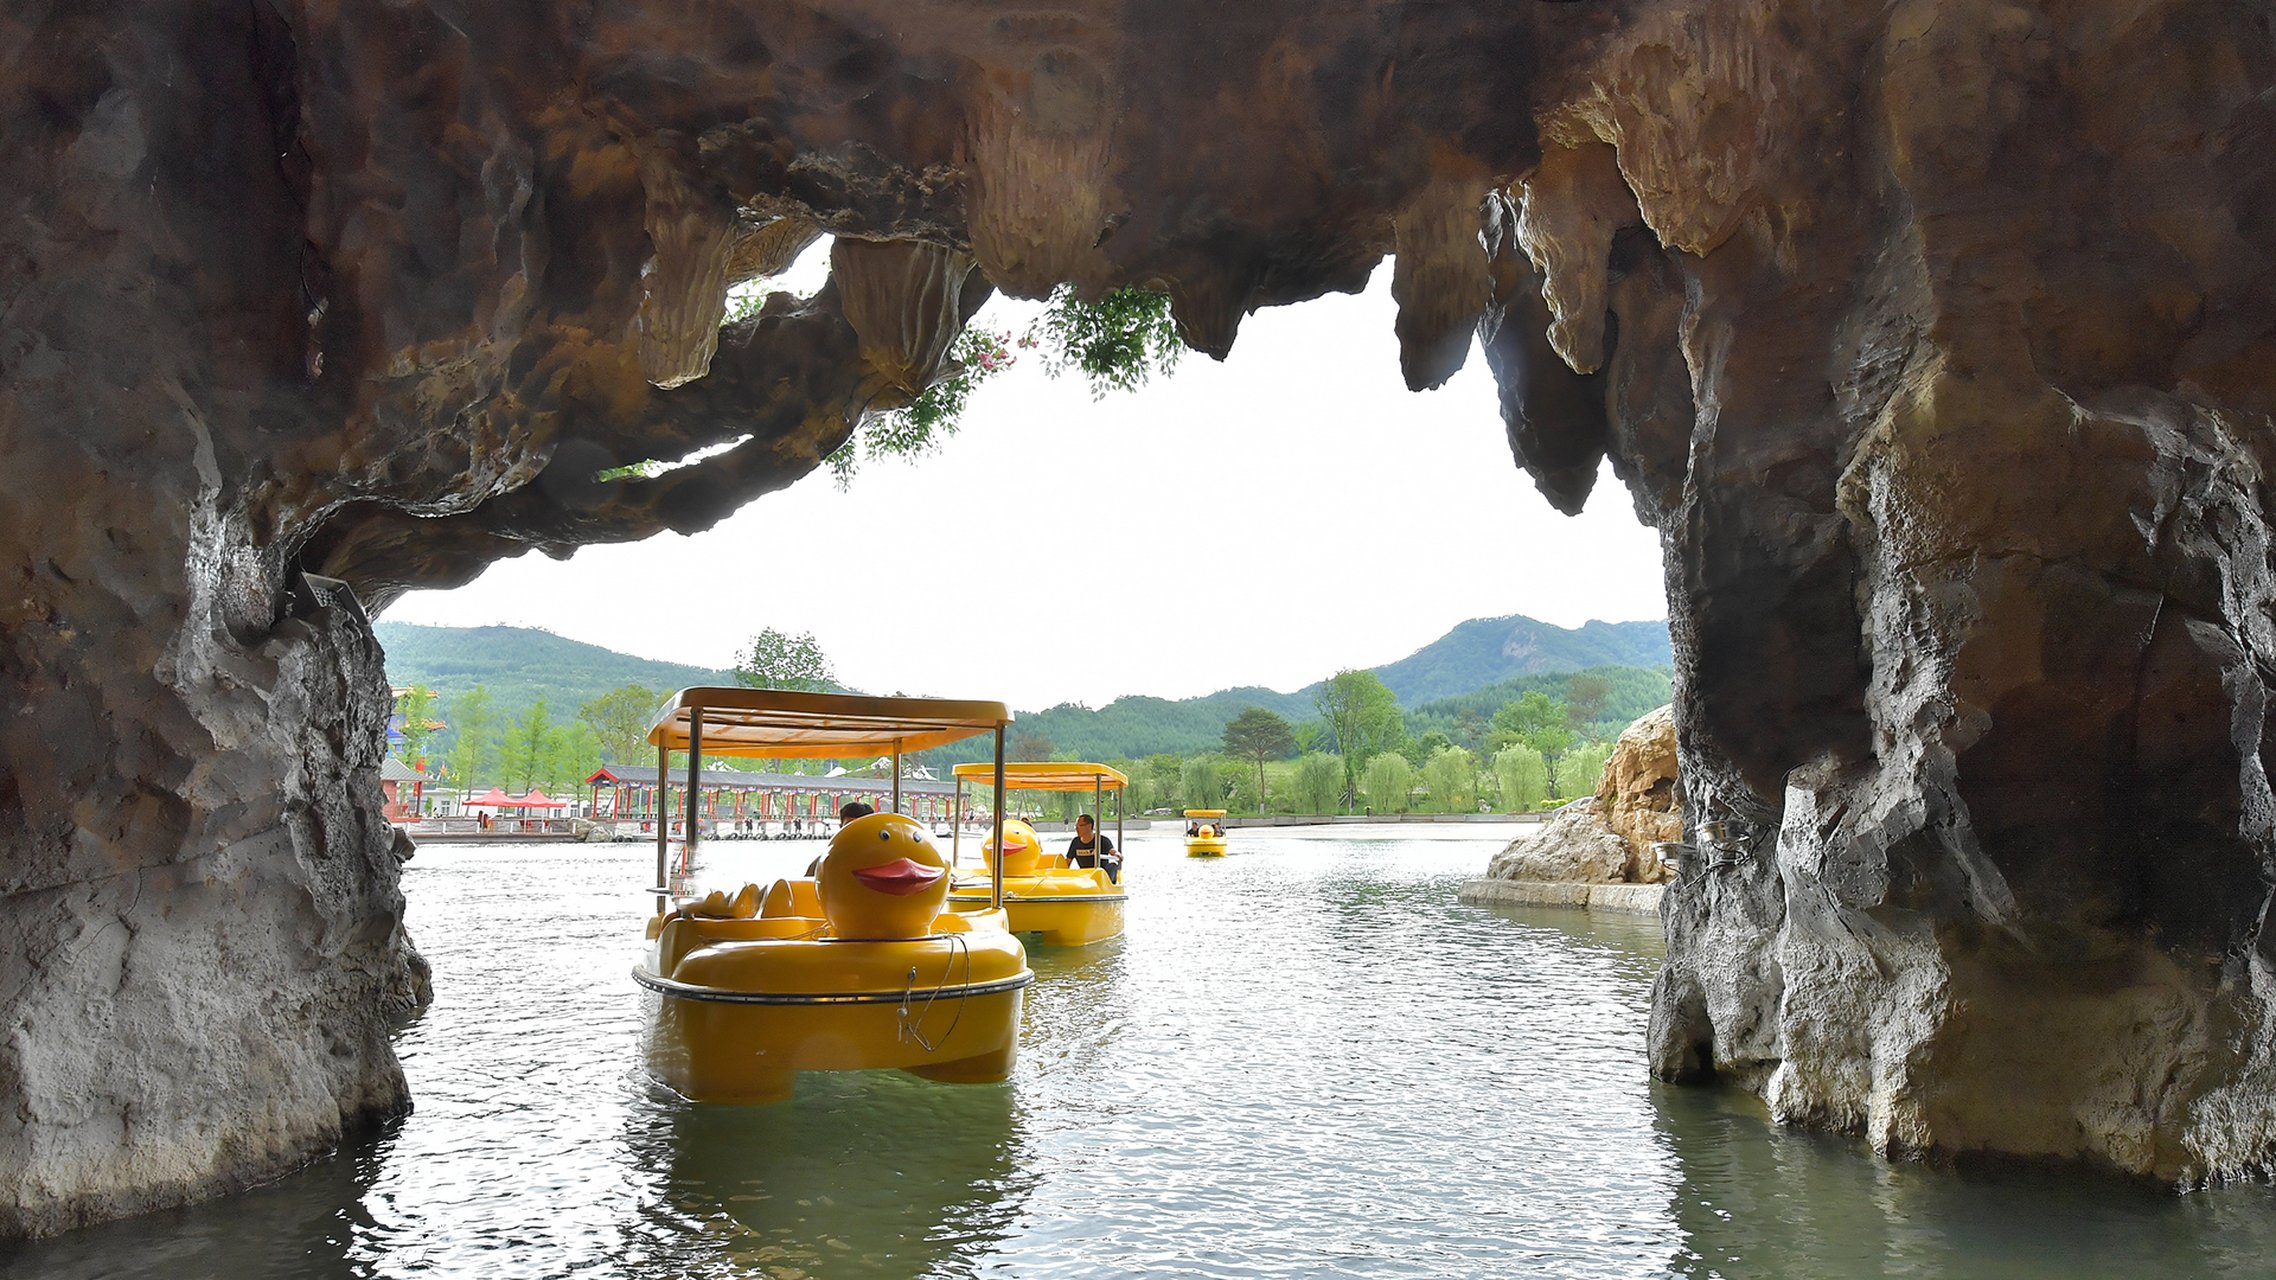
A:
1208, 838
1068, 906
861, 967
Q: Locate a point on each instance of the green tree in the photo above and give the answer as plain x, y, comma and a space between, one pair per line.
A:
1585, 696
416, 705
1419, 751
571, 757
1259, 735
1390, 782
1199, 785
1581, 769
1029, 745
619, 720
774, 660
1117, 341
1538, 721
1524, 777
1451, 773
1364, 714
1319, 781
530, 748
475, 752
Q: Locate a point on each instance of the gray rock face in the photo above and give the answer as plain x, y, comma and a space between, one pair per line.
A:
1574, 846
216, 1017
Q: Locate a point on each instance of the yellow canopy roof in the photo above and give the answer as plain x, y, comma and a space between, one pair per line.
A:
1048, 775
778, 723
1205, 813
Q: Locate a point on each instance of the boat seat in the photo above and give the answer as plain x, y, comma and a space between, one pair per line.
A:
684, 935
799, 897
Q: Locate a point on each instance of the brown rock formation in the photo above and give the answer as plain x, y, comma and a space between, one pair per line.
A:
1934, 337
1609, 839
1574, 847
1637, 799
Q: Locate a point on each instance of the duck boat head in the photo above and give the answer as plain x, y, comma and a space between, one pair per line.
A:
883, 878
1022, 851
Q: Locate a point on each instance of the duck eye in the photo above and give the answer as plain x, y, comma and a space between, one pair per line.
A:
885, 835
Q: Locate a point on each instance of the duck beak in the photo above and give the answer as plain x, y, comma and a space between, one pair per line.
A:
900, 877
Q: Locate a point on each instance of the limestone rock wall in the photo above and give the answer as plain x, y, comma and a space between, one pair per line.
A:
1933, 337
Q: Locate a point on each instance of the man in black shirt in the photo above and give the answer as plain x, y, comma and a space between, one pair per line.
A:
1090, 849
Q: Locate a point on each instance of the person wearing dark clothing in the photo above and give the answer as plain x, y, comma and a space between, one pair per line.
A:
1090, 849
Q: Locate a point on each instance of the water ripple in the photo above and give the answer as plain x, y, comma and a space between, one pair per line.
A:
1306, 1060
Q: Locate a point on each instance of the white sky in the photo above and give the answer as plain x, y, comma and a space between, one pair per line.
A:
1264, 521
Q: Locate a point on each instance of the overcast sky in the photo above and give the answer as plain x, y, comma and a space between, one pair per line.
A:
1276, 517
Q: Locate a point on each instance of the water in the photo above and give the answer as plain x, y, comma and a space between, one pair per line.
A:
1303, 1060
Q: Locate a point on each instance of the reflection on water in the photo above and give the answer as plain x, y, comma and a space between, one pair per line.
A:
879, 1175
1303, 1060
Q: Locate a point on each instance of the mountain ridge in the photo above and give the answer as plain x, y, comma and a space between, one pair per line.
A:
520, 664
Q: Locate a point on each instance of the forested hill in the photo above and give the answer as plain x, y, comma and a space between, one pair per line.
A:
1133, 728
1484, 651
519, 664
1476, 666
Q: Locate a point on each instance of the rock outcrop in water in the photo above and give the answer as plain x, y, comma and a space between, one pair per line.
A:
1573, 847
1609, 839
1934, 337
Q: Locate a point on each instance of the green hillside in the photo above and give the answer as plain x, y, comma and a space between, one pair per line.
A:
518, 665
1633, 691
1475, 667
1484, 651
1135, 727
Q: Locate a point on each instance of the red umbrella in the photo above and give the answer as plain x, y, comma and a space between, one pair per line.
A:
539, 800
495, 797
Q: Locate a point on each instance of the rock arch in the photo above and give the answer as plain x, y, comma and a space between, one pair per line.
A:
1935, 339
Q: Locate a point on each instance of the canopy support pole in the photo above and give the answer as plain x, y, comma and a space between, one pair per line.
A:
896, 775
695, 801
663, 833
999, 819
956, 821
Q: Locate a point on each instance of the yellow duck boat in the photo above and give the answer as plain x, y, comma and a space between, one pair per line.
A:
1208, 838
1068, 906
863, 966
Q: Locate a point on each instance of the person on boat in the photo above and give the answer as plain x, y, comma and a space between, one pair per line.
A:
1090, 849
847, 812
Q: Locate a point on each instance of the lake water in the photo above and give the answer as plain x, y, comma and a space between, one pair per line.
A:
1303, 1060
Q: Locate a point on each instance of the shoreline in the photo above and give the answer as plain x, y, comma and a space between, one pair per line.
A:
1627, 899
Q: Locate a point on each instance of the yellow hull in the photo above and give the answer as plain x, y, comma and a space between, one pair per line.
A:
1205, 846
1068, 907
742, 1013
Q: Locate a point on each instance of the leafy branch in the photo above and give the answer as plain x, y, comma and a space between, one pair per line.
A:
1118, 342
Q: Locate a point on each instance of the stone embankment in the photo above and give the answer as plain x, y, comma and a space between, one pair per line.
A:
1597, 853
